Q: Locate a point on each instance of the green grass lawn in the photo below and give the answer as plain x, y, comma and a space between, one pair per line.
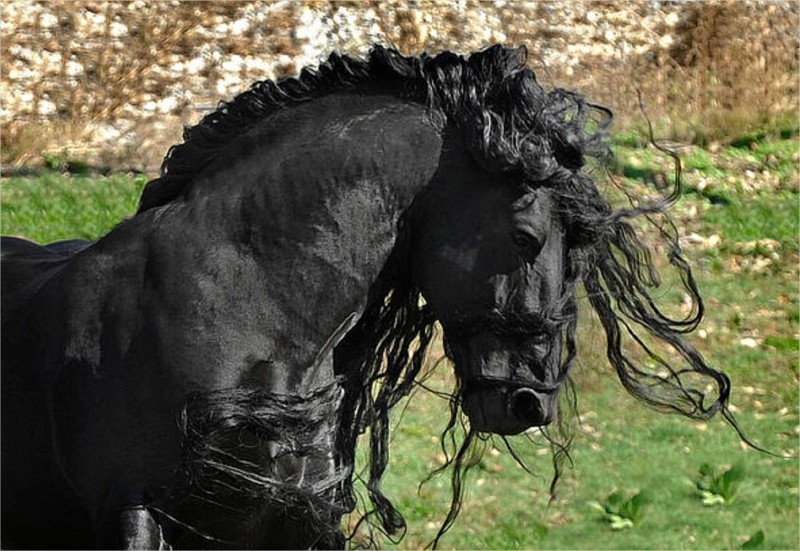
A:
750, 331
620, 446
54, 207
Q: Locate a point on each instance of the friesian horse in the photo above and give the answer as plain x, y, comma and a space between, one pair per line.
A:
199, 376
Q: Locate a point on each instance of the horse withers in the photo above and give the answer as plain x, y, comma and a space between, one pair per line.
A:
199, 377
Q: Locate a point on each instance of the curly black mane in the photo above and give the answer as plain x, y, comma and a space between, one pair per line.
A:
512, 126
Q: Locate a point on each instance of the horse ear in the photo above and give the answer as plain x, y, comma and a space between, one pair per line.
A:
497, 62
513, 58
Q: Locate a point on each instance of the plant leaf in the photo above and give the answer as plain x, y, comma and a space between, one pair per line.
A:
735, 473
710, 499
727, 483
620, 523
597, 506
755, 541
614, 501
635, 507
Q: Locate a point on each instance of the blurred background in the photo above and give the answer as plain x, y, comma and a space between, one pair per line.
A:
113, 82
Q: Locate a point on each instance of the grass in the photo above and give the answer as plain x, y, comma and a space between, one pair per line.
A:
750, 330
772, 216
621, 447
54, 207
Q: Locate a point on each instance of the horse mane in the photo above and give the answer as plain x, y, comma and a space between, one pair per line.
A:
454, 88
539, 138
204, 142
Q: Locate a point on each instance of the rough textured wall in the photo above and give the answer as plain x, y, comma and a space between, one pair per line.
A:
114, 81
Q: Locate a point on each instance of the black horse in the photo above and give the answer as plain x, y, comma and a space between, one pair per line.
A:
199, 376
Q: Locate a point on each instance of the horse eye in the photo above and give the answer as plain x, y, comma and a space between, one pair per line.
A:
528, 245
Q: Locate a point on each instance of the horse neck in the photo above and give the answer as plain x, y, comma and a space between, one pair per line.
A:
315, 204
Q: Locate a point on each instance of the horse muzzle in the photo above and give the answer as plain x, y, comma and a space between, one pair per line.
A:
509, 383
508, 410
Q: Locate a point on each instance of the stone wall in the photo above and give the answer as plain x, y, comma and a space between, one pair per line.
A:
113, 82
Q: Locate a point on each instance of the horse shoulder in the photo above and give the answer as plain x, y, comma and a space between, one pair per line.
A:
97, 296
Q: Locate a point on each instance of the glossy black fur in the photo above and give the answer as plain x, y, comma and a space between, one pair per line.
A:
199, 376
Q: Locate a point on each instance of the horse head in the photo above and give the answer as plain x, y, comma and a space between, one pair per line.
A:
495, 239
490, 259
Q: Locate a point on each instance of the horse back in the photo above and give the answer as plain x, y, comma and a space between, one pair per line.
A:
26, 266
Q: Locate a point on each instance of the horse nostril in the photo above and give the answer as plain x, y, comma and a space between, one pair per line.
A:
526, 406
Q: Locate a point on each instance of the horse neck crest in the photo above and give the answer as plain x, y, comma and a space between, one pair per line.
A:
512, 124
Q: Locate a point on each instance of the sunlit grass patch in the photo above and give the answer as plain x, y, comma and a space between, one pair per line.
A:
54, 206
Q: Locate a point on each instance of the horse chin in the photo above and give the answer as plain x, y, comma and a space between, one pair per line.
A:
508, 410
